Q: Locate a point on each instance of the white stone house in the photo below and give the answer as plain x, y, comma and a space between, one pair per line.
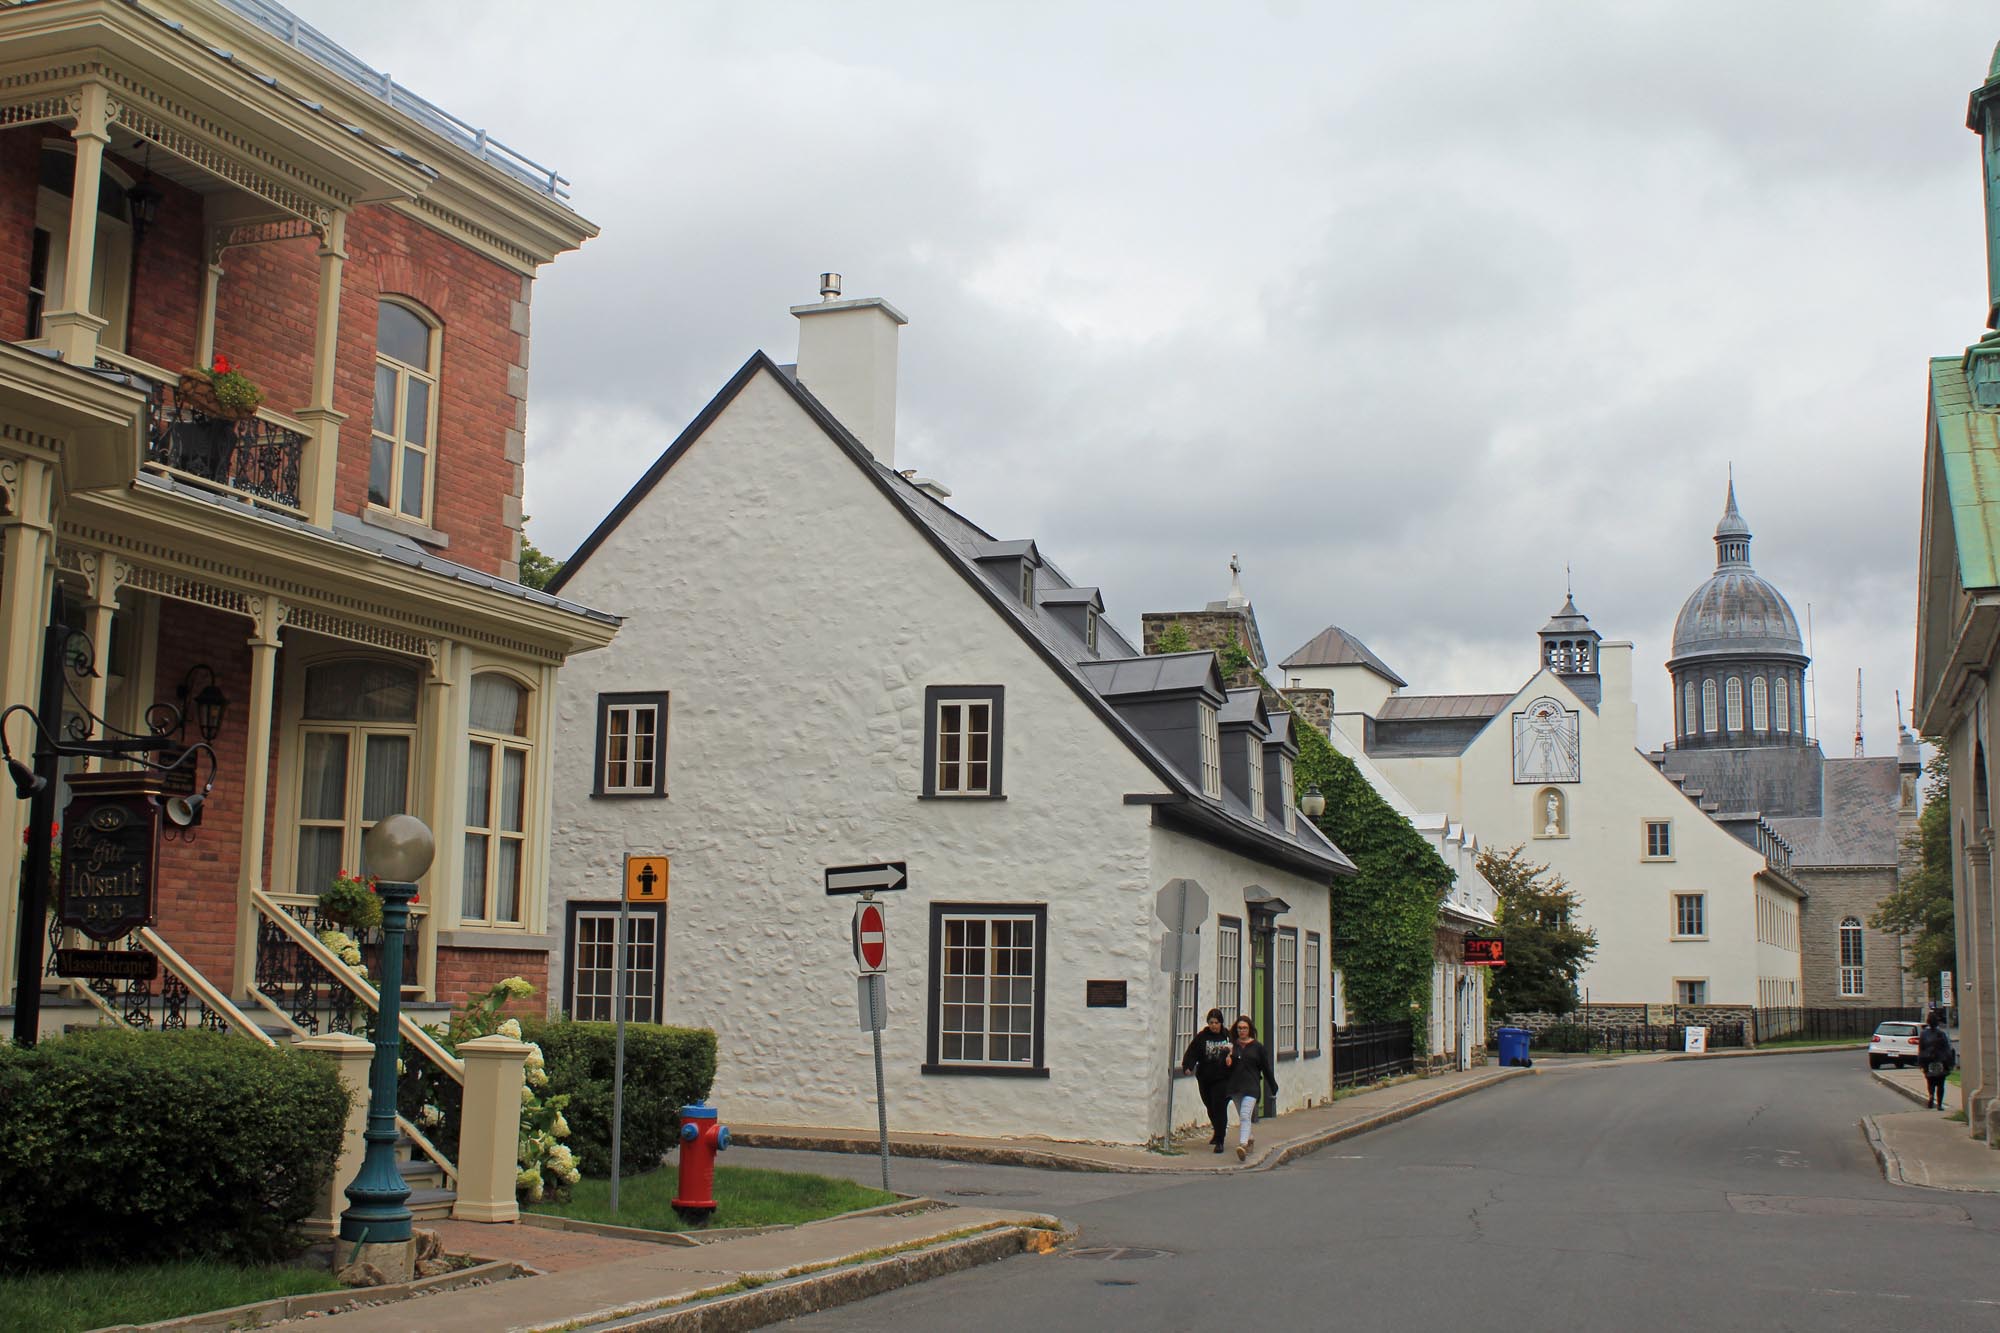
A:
824, 664
1687, 912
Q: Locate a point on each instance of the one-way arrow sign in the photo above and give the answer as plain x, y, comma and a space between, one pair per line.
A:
884, 878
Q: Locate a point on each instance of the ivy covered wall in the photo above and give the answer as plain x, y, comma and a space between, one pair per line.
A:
1385, 917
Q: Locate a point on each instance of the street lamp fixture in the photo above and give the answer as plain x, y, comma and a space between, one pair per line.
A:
398, 851
1313, 802
206, 707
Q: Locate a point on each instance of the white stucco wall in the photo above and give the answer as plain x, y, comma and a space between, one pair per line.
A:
796, 618
1627, 899
1356, 689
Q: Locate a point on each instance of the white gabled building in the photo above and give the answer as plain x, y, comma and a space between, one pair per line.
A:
824, 664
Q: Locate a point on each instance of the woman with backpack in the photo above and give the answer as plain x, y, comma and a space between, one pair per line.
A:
1207, 1058
1250, 1069
1934, 1054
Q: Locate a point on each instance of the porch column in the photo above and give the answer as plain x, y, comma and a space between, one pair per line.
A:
317, 477
211, 289
1980, 1012
270, 618
443, 806
103, 604
74, 329
27, 546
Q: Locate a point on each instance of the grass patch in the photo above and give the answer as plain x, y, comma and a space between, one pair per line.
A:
745, 1197
1855, 1043
85, 1298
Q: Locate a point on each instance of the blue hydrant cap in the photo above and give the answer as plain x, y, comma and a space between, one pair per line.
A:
722, 1139
689, 1133
698, 1112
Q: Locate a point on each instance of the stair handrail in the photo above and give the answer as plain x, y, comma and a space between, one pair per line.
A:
303, 936
192, 978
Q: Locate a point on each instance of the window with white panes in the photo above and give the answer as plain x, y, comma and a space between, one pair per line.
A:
1659, 839
987, 1010
496, 802
1759, 706
1187, 986
1090, 629
403, 432
1311, 992
963, 731
356, 745
1853, 977
1708, 706
1690, 915
1732, 704
1229, 968
1691, 991
1689, 719
1288, 991
1256, 780
1211, 752
1784, 701
1288, 796
593, 951
631, 745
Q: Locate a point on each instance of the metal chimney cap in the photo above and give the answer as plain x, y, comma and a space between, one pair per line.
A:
829, 286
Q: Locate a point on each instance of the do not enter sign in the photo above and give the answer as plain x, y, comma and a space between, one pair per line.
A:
871, 938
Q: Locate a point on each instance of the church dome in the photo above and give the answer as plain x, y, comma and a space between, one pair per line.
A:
1737, 612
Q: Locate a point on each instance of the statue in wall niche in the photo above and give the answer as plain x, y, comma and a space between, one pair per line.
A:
1552, 805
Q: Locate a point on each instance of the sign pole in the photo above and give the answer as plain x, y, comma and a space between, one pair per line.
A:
30, 924
1173, 1014
875, 984
618, 1045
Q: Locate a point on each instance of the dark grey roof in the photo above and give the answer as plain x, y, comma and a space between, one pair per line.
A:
992, 550
1736, 611
350, 531
1414, 707
1334, 646
1162, 673
1243, 708
1569, 620
1071, 597
1858, 828
1281, 729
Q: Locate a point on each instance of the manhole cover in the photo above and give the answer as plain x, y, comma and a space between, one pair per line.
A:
1793, 1205
1114, 1253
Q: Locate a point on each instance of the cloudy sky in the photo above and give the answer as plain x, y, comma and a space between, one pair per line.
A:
1410, 306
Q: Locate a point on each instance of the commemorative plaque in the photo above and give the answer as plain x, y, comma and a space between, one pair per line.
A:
110, 854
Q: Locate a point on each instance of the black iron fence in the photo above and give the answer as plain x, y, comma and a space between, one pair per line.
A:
1623, 1039
1828, 1024
249, 455
1365, 1052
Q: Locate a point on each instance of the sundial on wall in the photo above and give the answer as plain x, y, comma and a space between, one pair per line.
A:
1546, 746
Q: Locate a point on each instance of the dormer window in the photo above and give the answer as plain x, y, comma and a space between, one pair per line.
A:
1257, 782
1287, 795
1090, 629
1027, 584
1211, 752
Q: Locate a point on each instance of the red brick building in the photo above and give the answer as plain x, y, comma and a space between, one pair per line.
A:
191, 179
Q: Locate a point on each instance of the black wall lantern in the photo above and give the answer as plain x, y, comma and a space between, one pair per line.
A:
143, 199
206, 708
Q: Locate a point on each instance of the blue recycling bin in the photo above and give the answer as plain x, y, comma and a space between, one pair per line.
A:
1513, 1045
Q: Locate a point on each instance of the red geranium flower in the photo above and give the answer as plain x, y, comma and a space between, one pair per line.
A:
221, 364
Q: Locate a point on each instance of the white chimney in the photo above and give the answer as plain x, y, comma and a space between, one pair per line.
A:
1616, 707
847, 358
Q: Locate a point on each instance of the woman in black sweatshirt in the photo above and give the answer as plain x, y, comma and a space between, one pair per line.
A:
1249, 1070
1207, 1058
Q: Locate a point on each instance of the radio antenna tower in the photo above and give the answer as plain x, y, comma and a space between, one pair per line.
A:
1857, 712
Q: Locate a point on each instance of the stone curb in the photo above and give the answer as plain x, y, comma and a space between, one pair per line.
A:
1911, 1093
1885, 1156
984, 1155
260, 1313
788, 1298
1297, 1148
905, 1203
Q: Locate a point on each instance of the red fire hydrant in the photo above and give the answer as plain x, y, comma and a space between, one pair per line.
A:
702, 1137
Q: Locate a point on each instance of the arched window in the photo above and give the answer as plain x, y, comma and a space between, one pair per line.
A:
496, 801
1760, 712
1732, 704
1784, 704
402, 457
1688, 717
1708, 706
357, 735
1853, 976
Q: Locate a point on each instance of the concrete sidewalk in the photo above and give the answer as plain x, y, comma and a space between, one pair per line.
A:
1277, 1141
1928, 1148
586, 1281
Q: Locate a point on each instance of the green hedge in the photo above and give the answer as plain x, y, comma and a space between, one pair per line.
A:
128, 1147
665, 1069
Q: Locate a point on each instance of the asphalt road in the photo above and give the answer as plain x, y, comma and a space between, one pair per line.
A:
1725, 1194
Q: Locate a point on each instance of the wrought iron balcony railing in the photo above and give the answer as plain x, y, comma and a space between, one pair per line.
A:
250, 456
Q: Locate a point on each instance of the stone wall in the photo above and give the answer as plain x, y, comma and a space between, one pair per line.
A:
1835, 895
1312, 706
1212, 630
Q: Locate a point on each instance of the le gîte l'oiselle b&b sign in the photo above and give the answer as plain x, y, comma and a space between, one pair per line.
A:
1484, 953
111, 856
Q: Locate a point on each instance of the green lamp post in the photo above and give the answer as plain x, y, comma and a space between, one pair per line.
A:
399, 851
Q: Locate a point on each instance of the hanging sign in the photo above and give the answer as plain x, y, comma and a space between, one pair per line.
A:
1485, 953
110, 855
110, 964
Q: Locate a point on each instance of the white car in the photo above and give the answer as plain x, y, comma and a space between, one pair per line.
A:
1894, 1043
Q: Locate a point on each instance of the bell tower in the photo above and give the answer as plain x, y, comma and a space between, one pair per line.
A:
1569, 648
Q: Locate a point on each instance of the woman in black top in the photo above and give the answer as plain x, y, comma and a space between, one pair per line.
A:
1249, 1070
1207, 1058
1934, 1053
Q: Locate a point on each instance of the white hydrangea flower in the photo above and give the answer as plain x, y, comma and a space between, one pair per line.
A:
559, 1126
527, 1095
430, 1117
537, 1078
511, 1027
516, 989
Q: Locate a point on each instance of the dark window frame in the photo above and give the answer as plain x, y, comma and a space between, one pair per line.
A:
995, 697
1038, 1067
1318, 943
605, 703
577, 907
1278, 1000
